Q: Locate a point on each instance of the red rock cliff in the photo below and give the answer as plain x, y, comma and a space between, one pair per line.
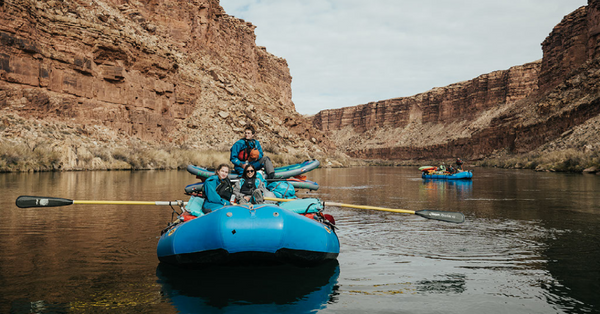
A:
160, 71
515, 110
456, 102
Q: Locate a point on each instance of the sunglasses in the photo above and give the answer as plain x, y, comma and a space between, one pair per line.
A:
250, 171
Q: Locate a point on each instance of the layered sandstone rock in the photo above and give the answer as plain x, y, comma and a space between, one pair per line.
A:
516, 110
180, 72
456, 102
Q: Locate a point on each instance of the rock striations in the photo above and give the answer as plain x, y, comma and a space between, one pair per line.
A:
516, 110
83, 84
157, 72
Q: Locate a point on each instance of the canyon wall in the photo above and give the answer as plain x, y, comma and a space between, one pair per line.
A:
516, 110
178, 72
459, 101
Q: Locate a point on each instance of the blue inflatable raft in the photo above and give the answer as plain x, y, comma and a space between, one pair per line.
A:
280, 172
261, 233
464, 175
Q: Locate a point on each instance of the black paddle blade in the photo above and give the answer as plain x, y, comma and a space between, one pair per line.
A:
25, 201
441, 215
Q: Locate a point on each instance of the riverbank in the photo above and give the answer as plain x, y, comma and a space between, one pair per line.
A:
19, 157
569, 160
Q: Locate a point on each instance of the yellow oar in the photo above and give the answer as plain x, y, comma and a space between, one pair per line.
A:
26, 201
426, 213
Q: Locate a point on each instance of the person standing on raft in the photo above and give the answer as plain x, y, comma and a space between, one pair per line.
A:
459, 164
248, 151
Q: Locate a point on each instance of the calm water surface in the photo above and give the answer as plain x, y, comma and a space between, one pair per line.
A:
530, 244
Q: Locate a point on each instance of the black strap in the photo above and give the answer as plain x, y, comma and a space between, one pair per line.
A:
224, 189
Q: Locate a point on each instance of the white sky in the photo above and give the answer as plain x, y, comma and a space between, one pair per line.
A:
349, 52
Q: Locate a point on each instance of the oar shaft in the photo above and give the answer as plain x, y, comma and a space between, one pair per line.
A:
404, 211
113, 202
160, 203
25, 201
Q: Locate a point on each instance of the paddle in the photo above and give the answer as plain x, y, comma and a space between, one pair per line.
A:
25, 201
426, 213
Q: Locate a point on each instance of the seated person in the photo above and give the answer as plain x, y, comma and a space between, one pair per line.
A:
442, 168
451, 169
250, 187
248, 151
217, 190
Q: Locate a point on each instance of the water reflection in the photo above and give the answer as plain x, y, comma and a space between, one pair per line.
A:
462, 188
452, 283
251, 289
573, 261
530, 244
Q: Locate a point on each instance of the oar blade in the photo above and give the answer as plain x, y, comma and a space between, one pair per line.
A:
26, 201
441, 215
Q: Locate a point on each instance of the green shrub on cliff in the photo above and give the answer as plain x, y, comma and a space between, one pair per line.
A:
20, 157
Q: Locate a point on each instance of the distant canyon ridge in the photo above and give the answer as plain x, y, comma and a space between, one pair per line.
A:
92, 82
549, 104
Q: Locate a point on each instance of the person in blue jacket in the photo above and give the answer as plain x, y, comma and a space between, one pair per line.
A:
248, 151
250, 187
217, 190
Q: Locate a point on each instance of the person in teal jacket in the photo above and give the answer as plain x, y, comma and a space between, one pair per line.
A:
217, 190
251, 186
248, 151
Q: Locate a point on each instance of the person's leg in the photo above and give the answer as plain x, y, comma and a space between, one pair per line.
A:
268, 165
239, 170
257, 196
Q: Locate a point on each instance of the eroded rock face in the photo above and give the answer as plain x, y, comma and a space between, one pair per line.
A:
456, 102
516, 110
181, 72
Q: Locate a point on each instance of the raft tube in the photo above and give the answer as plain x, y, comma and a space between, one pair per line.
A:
464, 175
296, 183
280, 172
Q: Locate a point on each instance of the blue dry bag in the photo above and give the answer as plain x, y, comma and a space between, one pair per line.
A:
282, 189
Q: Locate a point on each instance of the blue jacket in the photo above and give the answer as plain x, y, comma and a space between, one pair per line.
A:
213, 200
239, 146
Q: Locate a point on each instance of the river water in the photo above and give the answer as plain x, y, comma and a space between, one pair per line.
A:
530, 244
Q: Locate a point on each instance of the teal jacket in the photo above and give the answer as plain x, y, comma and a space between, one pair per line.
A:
239, 146
214, 200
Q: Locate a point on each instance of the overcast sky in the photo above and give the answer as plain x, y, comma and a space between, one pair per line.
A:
349, 52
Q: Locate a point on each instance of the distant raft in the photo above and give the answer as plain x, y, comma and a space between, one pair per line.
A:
463, 175
280, 172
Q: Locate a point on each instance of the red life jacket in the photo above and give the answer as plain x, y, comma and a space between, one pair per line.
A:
244, 154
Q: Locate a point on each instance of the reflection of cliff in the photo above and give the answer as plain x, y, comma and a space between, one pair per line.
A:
251, 289
573, 263
516, 110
